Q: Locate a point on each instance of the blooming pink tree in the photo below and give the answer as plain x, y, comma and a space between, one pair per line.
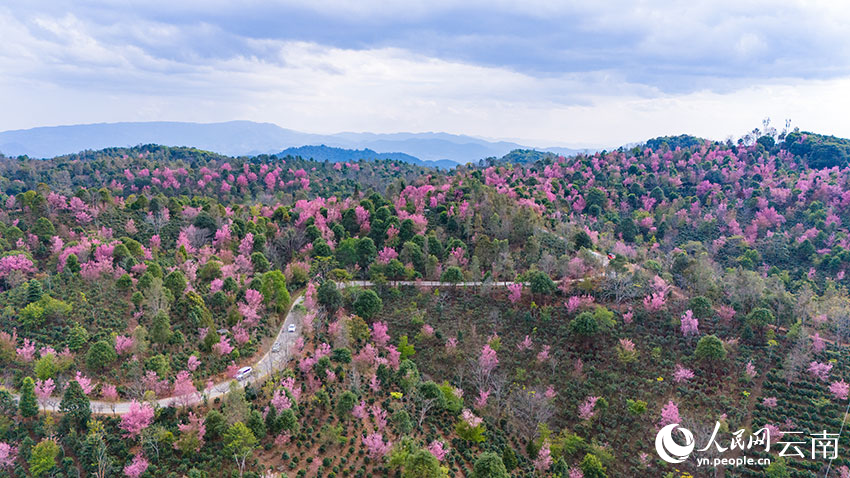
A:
280, 401
137, 418
15, 267
544, 458
438, 449
310, 296
26, 352
526, 344
138, 466
690, 324
386, 255
750, 370
587, 410
223, 347
654, 302
184, 390
379, 415
839, 390
193, 363
85, 383
360, 411
196, 429
8, 455
123, 344
543, 355
726, 313
682, 374
379, 334
820, 370
481, 400
109, 393
515, 290
488, 360
376, 446
44, 389
669, 414
250, 308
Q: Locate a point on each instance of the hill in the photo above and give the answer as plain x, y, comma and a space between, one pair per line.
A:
339, 155
243, 138
407, 321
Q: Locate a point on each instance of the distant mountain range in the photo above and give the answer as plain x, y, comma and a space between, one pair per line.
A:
239, 138
339, 155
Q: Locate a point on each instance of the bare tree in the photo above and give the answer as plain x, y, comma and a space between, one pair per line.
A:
619, 288
703, 429
157, 298
797, 359
427, 397
530, 408
102, 461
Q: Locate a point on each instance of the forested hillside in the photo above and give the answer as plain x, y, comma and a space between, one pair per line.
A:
534, 316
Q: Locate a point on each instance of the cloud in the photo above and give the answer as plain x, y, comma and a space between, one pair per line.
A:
591, 73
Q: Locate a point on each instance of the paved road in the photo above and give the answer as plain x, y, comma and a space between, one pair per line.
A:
268, 363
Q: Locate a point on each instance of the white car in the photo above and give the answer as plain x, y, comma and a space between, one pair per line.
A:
244, 373
291, 328
276, 347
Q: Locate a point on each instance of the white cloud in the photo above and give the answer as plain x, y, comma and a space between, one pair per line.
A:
61, 67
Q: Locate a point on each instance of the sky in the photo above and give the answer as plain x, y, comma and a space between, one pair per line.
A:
584, 74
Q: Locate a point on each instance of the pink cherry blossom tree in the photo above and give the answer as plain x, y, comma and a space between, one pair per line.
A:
690, 324
379, 334
123, 344
488, 360
820, 370
184, 390
515, 292
669, 414
682, 374
438, 449
250, 308
43, 390
26, 352
587, 410
138, 466
193, 363
376, 446
839, 390
280, 401
750, 370
8, 455
544, 458
138, 417
85, 383
223, 347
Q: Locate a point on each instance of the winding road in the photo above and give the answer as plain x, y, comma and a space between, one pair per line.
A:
267, 364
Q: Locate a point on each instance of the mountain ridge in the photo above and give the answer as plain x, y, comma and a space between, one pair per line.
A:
246, 138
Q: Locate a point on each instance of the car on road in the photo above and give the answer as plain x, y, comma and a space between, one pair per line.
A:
244, 373
291, 328
276, 347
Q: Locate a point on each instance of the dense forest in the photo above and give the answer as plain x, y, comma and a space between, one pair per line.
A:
533, 315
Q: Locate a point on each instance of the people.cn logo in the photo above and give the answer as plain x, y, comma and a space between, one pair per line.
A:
668, 449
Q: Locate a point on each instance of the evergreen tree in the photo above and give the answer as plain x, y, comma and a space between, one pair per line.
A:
28, 406
75, 405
